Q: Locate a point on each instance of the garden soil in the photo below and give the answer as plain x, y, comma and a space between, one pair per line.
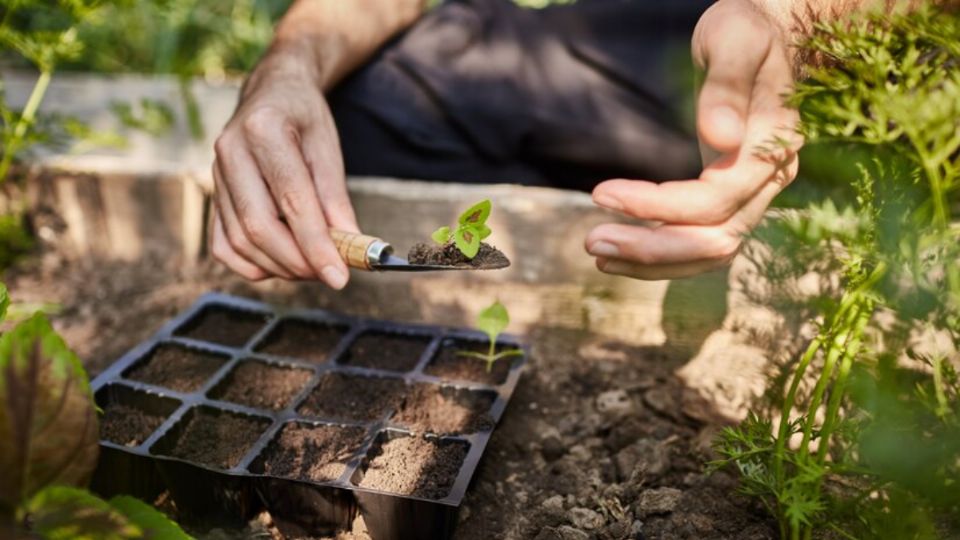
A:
317, 453
261, 386
126, 425
488, 257
415, 466
303, 340
450, 365
595, 444
385, 351
177, 368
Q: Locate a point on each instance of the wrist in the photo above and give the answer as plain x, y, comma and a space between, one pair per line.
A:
288, 62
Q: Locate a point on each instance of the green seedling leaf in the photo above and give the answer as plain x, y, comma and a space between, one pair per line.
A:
493, 320
467, 240
476, 215
441, 235
151, 521
67, 513
48, 422
484, 231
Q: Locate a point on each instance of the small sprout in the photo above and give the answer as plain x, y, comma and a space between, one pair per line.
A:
491, 321
441, 235
471, 230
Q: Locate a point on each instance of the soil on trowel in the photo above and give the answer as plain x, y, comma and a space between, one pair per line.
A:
302, 339
445, 410
345, 397
177, 368
128, 426
217, 439
488, 258
262, 386
451, 366
225, 326
381, 350
308, 452
415, 466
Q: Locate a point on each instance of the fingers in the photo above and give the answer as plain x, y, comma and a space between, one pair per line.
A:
235, 233
282, 163
321, 152
225, 253
731, 47
667, 244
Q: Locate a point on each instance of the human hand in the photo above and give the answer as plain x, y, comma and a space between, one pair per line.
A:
748, 142
279, 181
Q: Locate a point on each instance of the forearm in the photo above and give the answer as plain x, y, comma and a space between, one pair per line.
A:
326, 39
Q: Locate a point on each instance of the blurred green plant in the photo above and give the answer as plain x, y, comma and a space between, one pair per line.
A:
872, 406
492, 320
49, 445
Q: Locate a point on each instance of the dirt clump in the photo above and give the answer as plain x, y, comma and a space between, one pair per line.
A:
487, 258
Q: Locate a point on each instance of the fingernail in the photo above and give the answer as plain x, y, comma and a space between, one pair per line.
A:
604, 249
607, 201
334, 277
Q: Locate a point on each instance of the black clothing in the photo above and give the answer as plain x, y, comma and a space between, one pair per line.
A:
485, 91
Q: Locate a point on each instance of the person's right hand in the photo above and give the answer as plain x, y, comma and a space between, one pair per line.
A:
280, 184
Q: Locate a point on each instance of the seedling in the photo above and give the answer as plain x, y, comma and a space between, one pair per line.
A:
471, 230
492, 321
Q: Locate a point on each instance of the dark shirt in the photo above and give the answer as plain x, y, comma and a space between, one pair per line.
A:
481, 90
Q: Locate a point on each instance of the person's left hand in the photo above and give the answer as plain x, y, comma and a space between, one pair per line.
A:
743, 126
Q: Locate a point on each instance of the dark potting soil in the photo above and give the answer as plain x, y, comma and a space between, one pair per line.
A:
177, 368
449, 365
415, 466
392, 352
128, 426
225, 326
301, 339
217, 439
347, 397
308, 452
488, 258
445, 411
263, 386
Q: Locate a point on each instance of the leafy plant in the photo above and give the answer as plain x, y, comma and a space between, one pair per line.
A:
49, 445
492, 321
470, 231
875, 423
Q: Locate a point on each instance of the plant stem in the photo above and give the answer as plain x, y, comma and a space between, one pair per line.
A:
836, 396
26, 119
838, 344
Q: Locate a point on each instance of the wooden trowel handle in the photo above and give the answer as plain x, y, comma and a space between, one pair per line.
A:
358, 250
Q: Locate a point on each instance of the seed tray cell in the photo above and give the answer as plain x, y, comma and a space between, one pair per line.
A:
235, 406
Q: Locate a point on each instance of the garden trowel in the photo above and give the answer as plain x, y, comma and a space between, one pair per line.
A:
371, 253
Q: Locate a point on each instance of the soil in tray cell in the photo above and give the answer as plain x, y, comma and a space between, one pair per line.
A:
260, 385
414, 466
445, 410
301, 339
351, 397
310, 452
128, 426
212, 437
220, 324
176, 367
383, 350
449, 365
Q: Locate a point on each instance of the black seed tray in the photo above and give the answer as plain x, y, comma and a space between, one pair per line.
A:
220, 333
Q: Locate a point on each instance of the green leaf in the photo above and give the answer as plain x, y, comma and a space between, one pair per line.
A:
66, 513
154, 523
4, 301
468, 241
476, 215
493, 320
441, 235
484, 231
48, 422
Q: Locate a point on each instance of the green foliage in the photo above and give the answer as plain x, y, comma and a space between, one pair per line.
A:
48, 423
471, 230
68, 513
492, 321
49, 444
152, 116
879, 431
